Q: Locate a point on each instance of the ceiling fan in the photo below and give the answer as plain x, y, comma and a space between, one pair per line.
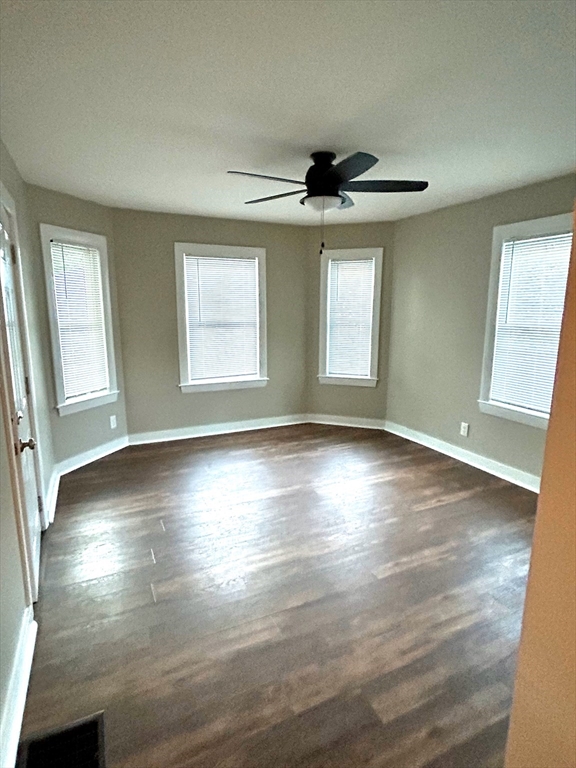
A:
327, 184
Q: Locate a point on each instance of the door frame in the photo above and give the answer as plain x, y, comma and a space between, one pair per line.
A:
30, 587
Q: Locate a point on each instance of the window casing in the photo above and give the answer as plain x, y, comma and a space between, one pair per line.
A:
221, 300
351, 282
526, 300
77, 281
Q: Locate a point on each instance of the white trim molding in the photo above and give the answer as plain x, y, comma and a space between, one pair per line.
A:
511, 412
493, 467
344, 421
81, 459
49, 233
224, 428
7, 201
210, 385
549, 225
349, 254
198, 250
87, 401
51, 495
13, 705
75, 462
348, 381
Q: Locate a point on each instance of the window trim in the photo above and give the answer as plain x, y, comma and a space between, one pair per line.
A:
549, 225
350, 254
50, 232
229, 252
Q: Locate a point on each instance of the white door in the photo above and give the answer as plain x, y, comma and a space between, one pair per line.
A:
18, 400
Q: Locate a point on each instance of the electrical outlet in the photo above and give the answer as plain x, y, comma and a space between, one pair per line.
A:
464, 427
113, 421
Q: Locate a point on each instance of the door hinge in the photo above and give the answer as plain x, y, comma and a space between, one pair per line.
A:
40, 505
27, 386
13, 252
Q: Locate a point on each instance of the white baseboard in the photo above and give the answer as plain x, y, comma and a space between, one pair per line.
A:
51, 495
224, 428
13, 705
81, 459
75, 462
493, 467
504, 471
344, 421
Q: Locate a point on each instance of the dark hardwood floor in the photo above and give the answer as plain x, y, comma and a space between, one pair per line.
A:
309, 596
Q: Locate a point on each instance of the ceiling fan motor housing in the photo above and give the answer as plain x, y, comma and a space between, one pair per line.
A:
316, 183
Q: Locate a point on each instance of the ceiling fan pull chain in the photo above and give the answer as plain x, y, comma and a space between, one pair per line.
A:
322, 244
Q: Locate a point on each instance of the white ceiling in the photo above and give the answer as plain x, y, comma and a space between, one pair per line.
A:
146, 103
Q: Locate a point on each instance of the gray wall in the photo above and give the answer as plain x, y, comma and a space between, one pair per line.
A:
435, 285
147, 301
433, 312
436, 273
439, 297
337, 400
75, 433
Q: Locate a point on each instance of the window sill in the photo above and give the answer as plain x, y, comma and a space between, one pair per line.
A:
521, 415
83, 403
211, 385
348, 381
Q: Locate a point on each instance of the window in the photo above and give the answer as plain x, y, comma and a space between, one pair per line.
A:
528, 286
76, 265
221, 294
349, 316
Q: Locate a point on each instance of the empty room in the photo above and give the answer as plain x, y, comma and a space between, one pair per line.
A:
287, 367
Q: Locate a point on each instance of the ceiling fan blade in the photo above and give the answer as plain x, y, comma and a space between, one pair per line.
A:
274, 197
272, 178
348, 202
374, 185
350, 167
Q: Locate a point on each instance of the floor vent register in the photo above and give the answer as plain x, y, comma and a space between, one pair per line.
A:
79, 744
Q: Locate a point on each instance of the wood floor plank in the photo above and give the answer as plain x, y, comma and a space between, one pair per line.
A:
310, 596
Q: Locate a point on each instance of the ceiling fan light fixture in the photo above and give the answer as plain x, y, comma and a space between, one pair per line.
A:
322, 202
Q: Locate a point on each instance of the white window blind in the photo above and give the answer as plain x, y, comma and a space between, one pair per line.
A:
349, 317
532, 287
79, 307
222, 317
